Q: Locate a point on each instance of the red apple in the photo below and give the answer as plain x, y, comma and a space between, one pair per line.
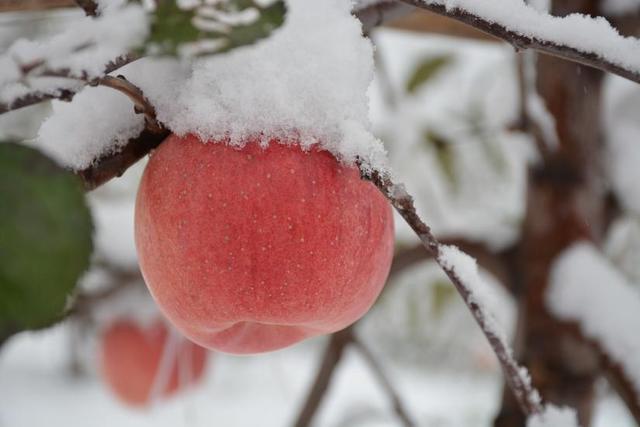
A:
253, 249
140, 364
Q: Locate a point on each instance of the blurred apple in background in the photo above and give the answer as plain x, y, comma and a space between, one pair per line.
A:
141, 363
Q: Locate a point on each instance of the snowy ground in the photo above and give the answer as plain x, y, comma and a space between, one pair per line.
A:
37, 390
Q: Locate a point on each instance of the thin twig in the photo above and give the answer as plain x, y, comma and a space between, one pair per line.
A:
120, 279
135, 94
36, 98
67, 94
520, 41
403, 259
525, 394
492, 261
383, 378
330, 360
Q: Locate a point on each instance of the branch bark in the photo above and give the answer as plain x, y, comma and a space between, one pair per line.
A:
526, 396
383, 378
36, 98
60, 94
134, 93
115, 165
520, 41
330, 360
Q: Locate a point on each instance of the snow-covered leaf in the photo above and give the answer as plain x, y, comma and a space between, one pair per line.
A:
426, 70
197, 28
444, 154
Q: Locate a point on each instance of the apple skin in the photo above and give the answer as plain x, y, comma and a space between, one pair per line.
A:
254, 249
131, 356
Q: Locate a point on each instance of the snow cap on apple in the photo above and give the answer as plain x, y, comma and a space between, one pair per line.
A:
254, 229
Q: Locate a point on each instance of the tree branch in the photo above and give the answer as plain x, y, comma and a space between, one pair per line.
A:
115, 165
519, 41
120, 279
376, 367
525, 394
330, 359
62, 94
134, 93
36, 98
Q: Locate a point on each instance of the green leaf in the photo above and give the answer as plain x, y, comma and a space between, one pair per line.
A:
426, 70
211, 29
442, 294
45, 238
444, 154
478, 127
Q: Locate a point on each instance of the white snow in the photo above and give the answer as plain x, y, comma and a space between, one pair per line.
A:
86, 45
98, 121
308, 81
554, 417
466, 268
264, 390
587, 34
586, 289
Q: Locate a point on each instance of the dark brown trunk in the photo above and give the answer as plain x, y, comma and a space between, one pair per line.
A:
566, 202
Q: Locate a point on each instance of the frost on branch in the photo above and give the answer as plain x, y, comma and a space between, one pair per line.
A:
580, 38
587, 289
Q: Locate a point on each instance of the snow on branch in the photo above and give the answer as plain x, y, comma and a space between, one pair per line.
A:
587, 289
51, 84
87, 49
463, 273
578, 38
